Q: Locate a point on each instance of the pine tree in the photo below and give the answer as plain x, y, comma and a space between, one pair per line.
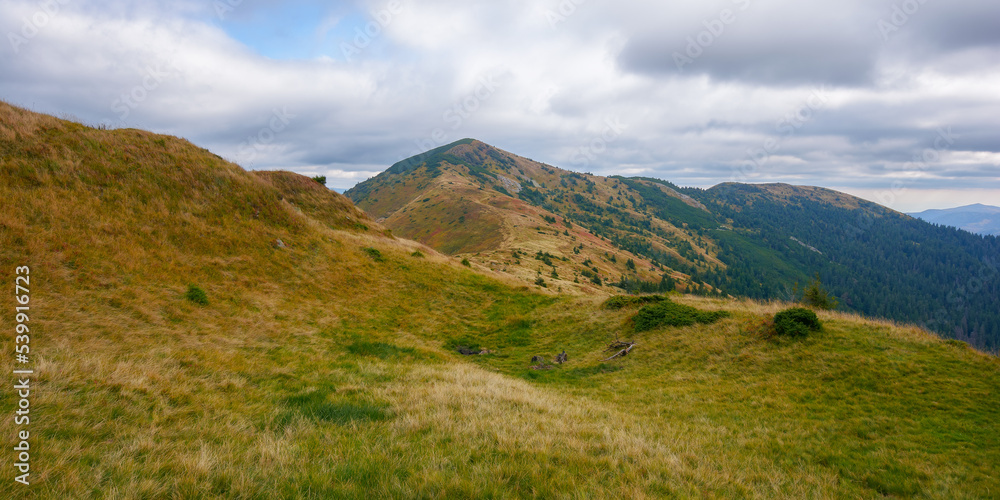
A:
816, 296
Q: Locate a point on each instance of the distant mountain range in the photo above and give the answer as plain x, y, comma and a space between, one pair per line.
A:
574, 231
978, 218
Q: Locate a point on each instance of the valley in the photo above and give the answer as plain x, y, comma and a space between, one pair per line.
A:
320, 359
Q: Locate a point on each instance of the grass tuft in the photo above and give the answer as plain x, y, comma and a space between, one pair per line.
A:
374, 253
669, 313
196, 295
623, 301
796, 322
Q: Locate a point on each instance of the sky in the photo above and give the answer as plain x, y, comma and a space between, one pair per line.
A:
894, 101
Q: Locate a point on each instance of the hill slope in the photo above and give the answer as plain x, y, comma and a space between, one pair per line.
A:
977, 218
325, 365
503, 210
759, 241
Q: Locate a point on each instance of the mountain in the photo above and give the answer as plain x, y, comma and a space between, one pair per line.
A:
760, 241
977, 218
513, 215
200, 331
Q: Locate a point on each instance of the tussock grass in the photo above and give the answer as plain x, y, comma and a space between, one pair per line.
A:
316, 372
667, 312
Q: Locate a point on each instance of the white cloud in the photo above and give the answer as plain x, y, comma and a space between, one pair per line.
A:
556, 86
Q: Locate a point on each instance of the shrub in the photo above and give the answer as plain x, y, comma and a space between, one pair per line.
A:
545, 257
320, 179
669, 313
196, 295
796, 322
623, 301
815, 295
374, 254
540, 281
418, 254
466, 263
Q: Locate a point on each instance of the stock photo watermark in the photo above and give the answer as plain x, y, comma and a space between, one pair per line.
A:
224, 7
456, 115
248, 150
22, 373
901, 14
957, 298
153, 77
714, 29
920, 162
563, 11
594, 148
34, 24
364, 37
786, 126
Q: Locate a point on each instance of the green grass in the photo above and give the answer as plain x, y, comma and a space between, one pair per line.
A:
374, 253
669, 313
379, 350
623, 301
317, 406
313, 373
196, 295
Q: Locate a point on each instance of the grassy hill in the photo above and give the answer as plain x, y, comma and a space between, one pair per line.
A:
758, 241
525, 218
325, 365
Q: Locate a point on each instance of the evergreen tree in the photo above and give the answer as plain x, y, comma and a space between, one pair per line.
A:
814, 295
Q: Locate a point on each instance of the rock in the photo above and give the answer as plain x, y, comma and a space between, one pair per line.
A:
537, 359
562, 358
279, 244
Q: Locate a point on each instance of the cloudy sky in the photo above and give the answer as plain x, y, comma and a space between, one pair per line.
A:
896, 101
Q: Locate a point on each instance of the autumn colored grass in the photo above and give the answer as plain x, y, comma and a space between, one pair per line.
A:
315, 370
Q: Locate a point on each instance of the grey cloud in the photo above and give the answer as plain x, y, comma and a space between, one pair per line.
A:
605, 61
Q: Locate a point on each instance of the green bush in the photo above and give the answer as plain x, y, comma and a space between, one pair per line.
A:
466, 263
623, 301
320, 179
374, 254
671, 313
196, 295
816, 296
796, 322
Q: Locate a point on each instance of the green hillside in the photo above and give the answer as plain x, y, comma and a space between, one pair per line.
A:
757, 241
324, 361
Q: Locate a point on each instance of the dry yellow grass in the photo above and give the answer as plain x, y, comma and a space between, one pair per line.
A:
324, 369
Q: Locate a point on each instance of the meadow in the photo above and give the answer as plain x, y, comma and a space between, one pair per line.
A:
317, 368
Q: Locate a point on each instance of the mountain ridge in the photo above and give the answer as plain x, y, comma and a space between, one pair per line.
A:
323, 358
976, 218
756, 240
